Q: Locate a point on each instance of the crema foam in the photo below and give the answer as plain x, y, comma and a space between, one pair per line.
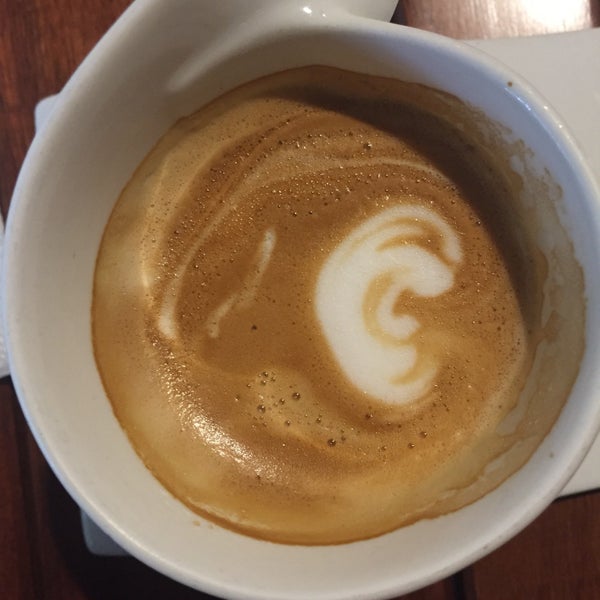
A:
313, 311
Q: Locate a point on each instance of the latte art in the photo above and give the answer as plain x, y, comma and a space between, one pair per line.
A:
362, 282
312, 312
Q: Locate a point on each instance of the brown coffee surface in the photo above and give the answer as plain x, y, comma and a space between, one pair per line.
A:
312, 309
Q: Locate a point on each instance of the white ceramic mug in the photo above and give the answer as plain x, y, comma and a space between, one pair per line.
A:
163, 60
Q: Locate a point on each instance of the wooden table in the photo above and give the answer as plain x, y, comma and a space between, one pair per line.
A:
42, 554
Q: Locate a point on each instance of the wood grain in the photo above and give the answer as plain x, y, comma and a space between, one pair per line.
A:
42, 554
557, 557
500, 18
17, 560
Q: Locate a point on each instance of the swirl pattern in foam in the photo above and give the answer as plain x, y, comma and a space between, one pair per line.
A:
360, 285
311, 309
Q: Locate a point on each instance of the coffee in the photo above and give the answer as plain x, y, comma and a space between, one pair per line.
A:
315, 311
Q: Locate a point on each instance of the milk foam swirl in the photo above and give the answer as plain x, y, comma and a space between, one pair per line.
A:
360, 285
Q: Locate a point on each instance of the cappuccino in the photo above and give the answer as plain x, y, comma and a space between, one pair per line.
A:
315, 311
